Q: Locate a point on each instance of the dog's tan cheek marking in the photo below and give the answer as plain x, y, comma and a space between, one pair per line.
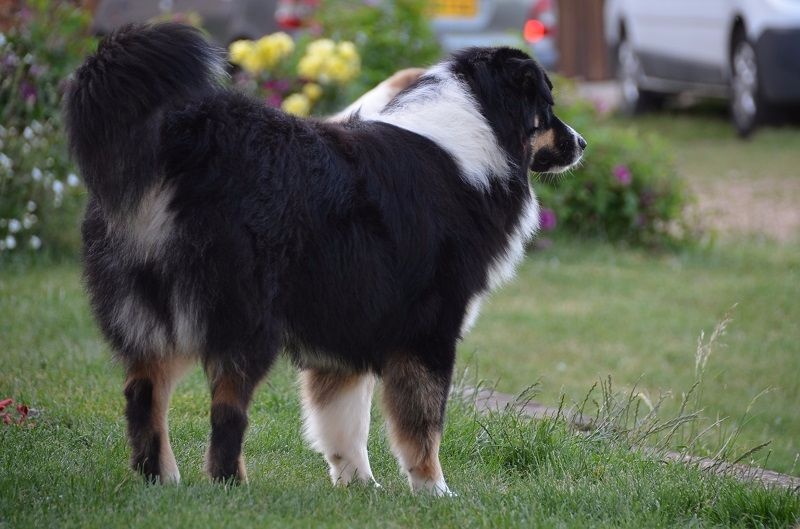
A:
543, 140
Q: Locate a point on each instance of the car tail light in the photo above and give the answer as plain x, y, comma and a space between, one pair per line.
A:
294, 14
541, 21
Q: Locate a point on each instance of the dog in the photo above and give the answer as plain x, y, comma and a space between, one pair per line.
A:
222, 231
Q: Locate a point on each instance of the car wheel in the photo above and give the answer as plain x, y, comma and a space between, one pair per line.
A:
634, 99
747, 108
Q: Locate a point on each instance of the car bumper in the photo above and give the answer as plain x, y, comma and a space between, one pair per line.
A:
778, 56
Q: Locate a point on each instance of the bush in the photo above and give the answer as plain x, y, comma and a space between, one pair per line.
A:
299, 77
40, 193
627, 190
391, 35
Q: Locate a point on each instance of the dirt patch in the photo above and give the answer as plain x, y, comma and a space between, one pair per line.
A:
767, 207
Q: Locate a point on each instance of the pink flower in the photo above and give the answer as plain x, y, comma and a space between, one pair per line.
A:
278, 85
4, 403
547, 219
274, 100
28, 92
623, 174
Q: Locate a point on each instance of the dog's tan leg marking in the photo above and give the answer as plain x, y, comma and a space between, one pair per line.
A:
414, 400
336, 412
230, 399
148, 388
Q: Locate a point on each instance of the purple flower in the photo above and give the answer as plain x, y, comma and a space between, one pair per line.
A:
274, 100
623, 174
28, 92
547, 219
279, 85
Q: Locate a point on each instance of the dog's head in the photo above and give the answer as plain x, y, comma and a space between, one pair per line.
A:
515, 95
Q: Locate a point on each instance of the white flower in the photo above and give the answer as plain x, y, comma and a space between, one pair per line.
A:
14, 226
5, 161
11, 242
36, 174
35, 242
28, 220
37, 127
58, 187
28, 133
73, 180
2, 39
31, 206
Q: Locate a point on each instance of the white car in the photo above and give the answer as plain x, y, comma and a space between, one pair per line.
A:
745, 50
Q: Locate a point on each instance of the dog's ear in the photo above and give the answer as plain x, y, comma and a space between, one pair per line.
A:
530, 76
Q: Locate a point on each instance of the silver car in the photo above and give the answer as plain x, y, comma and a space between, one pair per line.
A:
747, 51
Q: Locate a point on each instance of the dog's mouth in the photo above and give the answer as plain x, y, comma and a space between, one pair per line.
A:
556, 149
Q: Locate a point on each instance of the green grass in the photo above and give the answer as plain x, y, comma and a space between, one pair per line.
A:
70, 470
707, 149
582, 311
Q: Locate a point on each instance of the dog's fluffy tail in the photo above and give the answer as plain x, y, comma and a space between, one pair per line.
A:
115, 102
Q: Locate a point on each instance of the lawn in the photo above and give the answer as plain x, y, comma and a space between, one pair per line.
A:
581, 311
745, 187
578, 312
68, 467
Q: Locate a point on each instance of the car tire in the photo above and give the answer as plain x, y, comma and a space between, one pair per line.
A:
634, 100
747, 105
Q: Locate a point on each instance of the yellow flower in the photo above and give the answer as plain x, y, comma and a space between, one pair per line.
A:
267, 51
326, 61
310, 66
283, 42
338, 70
322, 47
297, 104
240, 49
347, 51
312, 91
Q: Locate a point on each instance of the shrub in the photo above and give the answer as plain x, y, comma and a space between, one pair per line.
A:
627, 189
296, 76
40, 192
391, 35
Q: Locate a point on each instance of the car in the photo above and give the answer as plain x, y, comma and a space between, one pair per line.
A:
746, 51
225, 21
516, 23
539, 32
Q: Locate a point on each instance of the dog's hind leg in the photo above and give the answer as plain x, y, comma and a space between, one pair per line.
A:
148, 388
336, 410
232, 388
414, 396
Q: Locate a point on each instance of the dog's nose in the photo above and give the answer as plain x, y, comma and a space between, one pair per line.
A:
581, 142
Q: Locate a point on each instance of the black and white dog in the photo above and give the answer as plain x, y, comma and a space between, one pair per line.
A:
223, 231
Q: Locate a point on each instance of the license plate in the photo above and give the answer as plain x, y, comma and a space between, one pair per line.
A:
456, 8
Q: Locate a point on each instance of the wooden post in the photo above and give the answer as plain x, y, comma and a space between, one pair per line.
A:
581, 40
